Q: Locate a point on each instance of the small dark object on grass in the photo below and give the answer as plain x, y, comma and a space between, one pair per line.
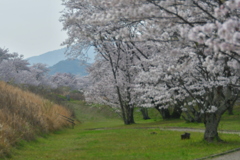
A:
153, 133
185, 136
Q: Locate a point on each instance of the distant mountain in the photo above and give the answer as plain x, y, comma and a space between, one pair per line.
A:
75, 67
53, 57
49, 58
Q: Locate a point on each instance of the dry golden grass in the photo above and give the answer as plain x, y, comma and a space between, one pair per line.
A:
24, 115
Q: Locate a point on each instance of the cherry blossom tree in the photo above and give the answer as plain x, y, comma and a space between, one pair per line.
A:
4, 54
101, 89
112, 78
212, 77
65, 80
195, 58
209, 72
16, 70
218, 45
13, 67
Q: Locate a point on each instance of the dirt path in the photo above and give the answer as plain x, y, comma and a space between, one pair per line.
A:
197, 130
180, 129
229, 156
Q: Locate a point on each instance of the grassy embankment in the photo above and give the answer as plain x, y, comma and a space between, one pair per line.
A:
24, 116
102, 136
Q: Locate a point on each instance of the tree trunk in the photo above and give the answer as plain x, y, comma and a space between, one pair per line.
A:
164, 113
230, 105
211, 122
129, 118
144, 112
192, 116
230, 110
176, 114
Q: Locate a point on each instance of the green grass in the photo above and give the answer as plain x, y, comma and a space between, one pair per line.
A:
121, 144
231, 122
102, 136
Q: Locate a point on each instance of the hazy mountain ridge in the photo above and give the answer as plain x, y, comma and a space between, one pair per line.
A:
50, 58
53, 57
76, 67
57, 61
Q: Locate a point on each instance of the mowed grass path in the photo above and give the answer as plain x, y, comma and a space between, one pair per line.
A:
117, 142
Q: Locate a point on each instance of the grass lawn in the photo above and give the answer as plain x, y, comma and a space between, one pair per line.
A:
115, 141
121, 144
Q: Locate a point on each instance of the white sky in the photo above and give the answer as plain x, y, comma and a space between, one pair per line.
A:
31, 27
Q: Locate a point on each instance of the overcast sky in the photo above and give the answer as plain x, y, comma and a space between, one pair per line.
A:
31, 27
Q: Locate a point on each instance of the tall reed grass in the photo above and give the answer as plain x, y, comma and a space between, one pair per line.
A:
24, 115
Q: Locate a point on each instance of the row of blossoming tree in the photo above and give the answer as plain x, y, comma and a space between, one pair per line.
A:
15, 70
179, 54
